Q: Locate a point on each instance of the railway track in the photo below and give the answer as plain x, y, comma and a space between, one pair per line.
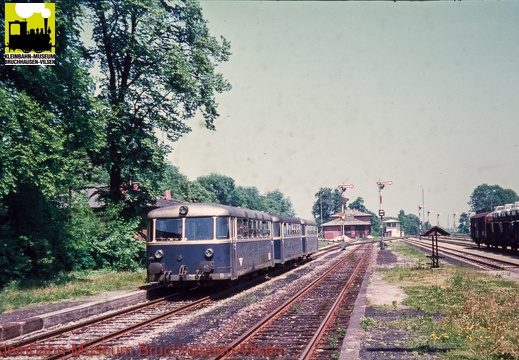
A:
305, 326
87, 338
482, 260
82, 338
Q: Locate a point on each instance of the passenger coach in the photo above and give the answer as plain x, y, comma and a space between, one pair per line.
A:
310, 239
287, 234
199, 242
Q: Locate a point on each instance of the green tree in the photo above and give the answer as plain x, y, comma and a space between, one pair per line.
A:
375, 224
464, 224
63, 93
50, 127
485, 197
32, 145
249, 197
174, 181
328, 202
358, 204
220, 186
276, 203
409, 223
196, 192
157, 62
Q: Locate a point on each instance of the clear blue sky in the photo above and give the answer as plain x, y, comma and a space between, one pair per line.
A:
421, 93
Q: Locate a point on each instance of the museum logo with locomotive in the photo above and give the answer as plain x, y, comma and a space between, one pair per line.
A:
29, 34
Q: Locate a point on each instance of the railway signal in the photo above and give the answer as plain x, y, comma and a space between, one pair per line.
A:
382, 213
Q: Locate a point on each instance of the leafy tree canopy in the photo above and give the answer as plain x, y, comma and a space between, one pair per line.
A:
220, 185
158, 65
464, 224
276, 203
358, 204
485, 197
409, 223
217, 188
328, 202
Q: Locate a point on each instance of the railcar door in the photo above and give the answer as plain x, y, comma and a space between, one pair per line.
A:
234, 256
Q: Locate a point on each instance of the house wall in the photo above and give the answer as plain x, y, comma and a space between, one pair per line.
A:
353, 231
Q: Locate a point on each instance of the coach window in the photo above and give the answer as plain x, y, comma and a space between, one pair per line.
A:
257, 229
264, 229
250, 233
240, 228
199, 228
276, 230
168, 230
222, 227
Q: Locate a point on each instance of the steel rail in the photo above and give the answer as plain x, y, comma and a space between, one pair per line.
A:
68, 353
97, 320
471, 257
280, 309
309, 350
89, 344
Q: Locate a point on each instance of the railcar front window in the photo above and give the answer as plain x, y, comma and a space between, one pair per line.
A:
199, 228
168, 230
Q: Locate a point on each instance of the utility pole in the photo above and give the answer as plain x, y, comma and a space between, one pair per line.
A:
343, 188
420, 222
454, 222
381, 212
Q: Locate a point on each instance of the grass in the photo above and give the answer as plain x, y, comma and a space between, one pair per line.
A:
323, 243
479, 313
67, 287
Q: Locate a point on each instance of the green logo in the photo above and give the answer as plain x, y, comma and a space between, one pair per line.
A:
29, 34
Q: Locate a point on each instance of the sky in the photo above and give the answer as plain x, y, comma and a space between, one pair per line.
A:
423, 94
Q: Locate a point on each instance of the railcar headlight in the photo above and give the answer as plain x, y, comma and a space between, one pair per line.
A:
159, 254
183, 210
209, 253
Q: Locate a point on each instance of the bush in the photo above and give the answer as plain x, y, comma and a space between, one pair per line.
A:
117, 248
40, 239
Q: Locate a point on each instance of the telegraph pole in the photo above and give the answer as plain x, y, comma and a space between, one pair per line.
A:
381, 212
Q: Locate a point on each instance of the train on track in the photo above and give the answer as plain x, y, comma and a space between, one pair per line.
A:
498, 228
206, 244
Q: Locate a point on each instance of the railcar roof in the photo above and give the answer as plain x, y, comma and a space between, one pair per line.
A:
308, 222
481, 214
286, 219
206, 209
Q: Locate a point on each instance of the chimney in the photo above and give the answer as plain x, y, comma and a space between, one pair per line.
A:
168, 194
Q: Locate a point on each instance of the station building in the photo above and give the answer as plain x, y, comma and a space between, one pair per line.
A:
357, 225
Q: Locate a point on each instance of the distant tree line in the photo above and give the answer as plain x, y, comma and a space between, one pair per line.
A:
221, 189
484, 198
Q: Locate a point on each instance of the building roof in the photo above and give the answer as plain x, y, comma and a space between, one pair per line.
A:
348, 221
351, 212
391, 221
435, 230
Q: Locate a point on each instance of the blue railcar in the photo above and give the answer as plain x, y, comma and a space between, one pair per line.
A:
310, 241
200, 243
287, 235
